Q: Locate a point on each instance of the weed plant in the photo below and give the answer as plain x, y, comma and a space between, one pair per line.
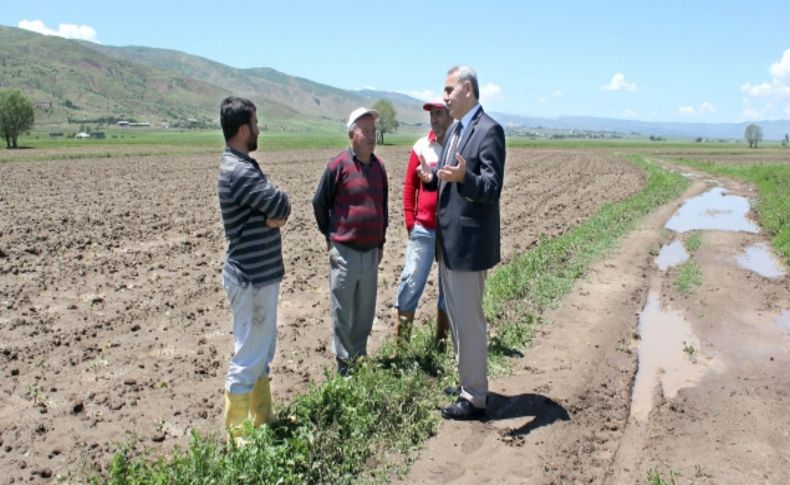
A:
689, 277
694, 241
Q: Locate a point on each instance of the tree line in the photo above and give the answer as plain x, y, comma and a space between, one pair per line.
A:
16, 118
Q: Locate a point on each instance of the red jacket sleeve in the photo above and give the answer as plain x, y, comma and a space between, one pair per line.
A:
411, 183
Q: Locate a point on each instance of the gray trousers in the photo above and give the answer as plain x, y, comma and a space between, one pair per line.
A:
463, 296
353, 278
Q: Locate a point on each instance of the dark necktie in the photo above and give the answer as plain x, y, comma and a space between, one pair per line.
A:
450, 158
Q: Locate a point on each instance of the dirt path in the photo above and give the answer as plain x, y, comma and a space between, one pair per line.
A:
567, 414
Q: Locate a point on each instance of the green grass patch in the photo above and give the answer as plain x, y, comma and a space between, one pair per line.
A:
689, 277
343, 430
773, 196
694, 241
544, 275
143, 142
325, 436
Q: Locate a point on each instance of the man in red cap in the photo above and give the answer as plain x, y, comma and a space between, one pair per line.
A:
419, 214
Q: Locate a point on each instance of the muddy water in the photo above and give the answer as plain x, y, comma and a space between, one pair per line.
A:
669, 356
671, 255
759, 259
713, 210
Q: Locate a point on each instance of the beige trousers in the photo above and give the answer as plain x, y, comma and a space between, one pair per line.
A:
463, 296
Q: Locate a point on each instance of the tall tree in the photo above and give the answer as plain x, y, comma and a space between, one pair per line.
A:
753, 135
386, 122
16, 116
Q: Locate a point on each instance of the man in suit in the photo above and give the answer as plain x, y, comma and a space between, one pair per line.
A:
469, 179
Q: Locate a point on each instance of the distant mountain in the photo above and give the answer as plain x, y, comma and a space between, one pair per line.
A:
772, 130
77, 80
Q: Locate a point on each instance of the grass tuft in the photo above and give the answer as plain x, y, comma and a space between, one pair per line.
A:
694, 241
689, 277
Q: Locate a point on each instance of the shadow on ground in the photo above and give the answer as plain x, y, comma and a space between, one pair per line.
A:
544, 410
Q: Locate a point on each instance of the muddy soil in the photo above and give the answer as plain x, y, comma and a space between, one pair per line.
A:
115, 327
715, 410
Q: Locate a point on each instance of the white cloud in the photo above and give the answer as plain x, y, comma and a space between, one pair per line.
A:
541, 99
490, 92
68, 31
618, 83
749, 113
779, 86
704, 108
424, 95
707, 107
773, 88
557, 93
629, 113
752, 114
781, 70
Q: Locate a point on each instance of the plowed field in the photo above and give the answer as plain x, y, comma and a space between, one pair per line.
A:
113, 321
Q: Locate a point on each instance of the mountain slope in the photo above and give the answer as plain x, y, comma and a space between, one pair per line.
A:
76, 80
263, 83
67, 81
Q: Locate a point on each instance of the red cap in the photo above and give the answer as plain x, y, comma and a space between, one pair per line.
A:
434, 104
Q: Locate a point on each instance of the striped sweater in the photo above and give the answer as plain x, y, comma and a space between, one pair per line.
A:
246, 199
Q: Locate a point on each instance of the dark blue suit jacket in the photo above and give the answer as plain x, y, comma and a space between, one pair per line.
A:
468, 213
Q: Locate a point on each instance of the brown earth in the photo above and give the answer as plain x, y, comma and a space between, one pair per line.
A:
115, 327
567, 414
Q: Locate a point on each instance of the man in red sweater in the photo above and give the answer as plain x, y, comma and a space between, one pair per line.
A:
419, 212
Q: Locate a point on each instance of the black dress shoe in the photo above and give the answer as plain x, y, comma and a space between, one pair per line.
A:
342, 367
463, 410
452, 390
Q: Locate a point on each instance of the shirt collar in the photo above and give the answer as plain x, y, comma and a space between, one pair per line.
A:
354, 156
238, 154
467, 118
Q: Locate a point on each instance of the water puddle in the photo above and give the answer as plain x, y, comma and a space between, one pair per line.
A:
669, 356
713, 210
759, 259
671, 255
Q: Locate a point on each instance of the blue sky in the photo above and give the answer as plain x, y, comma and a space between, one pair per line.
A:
693, 60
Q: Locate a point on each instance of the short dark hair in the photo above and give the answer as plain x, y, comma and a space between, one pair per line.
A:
235, 112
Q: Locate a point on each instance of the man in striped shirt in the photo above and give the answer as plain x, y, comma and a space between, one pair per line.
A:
350, 205
252, 210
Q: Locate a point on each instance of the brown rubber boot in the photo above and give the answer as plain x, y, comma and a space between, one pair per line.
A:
403, 331
442, 329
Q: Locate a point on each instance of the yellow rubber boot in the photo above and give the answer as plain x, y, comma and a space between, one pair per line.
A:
237, 408
261, 403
